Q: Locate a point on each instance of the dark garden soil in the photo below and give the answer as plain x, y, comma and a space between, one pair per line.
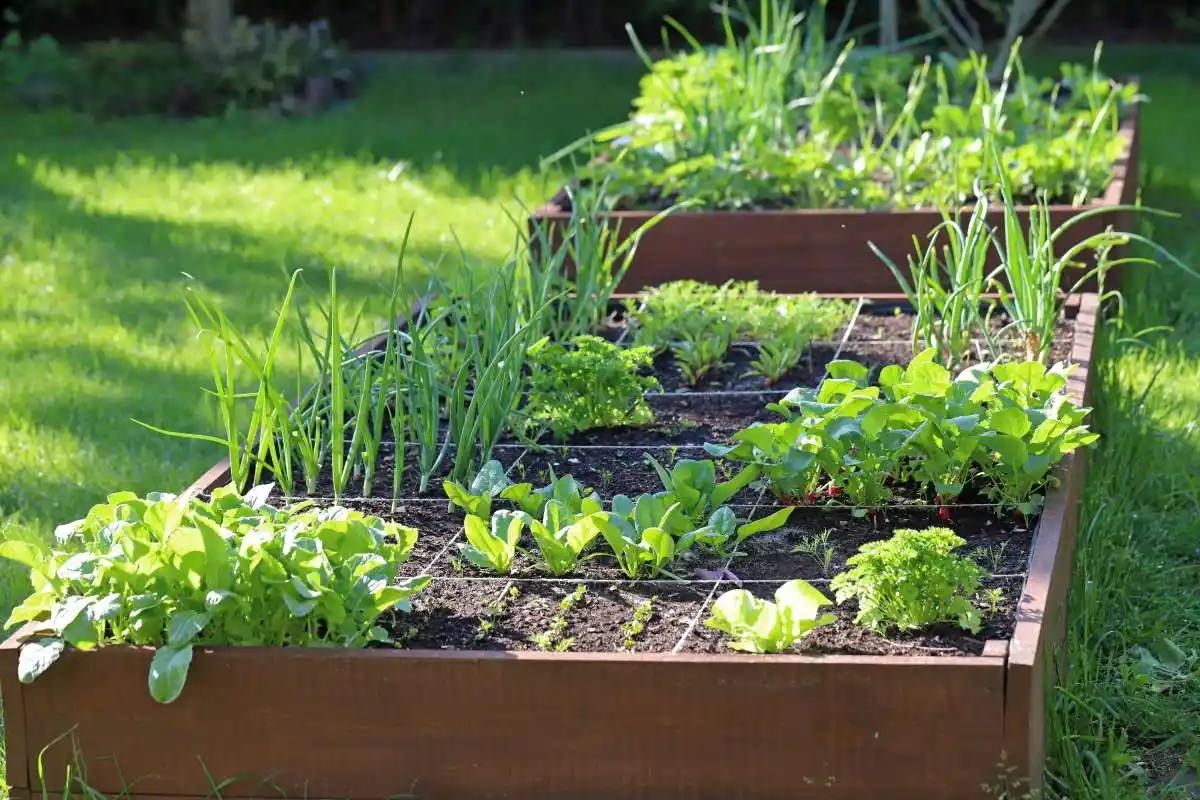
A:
464, 607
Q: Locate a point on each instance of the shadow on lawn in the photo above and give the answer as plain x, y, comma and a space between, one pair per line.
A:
472, 123
139, 263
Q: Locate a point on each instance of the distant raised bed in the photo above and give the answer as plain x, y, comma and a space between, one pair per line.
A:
786, 158
594, 684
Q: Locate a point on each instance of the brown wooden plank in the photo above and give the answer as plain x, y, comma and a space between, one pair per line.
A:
12, 709
1035, 650
365, 724
822, 250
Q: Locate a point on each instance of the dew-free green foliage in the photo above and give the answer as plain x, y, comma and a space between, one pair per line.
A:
693, 485
1003, 425
492, 542
698, 323
588, 383
763, 626
912, 580
173, 572
780, 116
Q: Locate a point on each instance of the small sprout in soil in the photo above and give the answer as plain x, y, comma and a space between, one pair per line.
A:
672, 454
456, 565
606, 478
818, 548
520, 468
551, 638
635, 626
990, 557
494, 611
993, 598
405, 635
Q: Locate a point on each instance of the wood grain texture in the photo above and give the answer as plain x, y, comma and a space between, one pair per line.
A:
1034, 662
13, 707
825, 250
366, 724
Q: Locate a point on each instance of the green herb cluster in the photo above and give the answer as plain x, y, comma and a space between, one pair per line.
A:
174, 572
588, 383
912, 580
699, 322
1003, 425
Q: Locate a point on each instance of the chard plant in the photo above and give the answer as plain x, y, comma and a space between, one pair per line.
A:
765, 626
562, 534
175, 572
724, 532
489, 483
910, 581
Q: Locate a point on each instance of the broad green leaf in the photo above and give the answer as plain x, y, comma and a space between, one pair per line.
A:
772, 521
36, 657
1010, 421
800, 600
476, 505
490, 480
185, 626
25, 553
727, 489
168, 672
258, 495
844, 369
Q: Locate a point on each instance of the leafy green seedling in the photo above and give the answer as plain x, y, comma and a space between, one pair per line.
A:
493, 546
911, 581
635, 626
562, 533
490, 482
762, 626
724, 532
640, 534
693, 485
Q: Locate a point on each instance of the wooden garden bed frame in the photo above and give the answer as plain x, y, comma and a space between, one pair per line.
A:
825, 250
469, 724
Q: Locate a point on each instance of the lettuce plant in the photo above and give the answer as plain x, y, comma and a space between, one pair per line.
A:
912, 580
763, 626
175, 572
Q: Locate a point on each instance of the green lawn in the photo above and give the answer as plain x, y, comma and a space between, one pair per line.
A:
98, 223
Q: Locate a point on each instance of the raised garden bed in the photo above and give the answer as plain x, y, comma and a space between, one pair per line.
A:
823, 250
468, 709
